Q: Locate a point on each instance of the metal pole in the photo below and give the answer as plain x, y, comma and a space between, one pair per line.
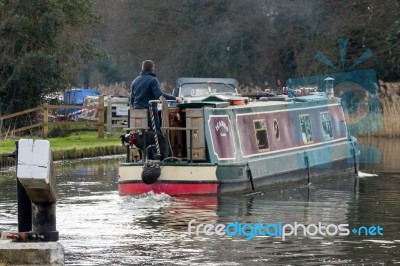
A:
128, 154
191, 145
167, 144
24, 203
144, 145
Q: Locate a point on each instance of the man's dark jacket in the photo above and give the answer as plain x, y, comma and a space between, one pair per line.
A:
145, 88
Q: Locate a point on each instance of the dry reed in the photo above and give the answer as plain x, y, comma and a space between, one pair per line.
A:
117, 89
390, 117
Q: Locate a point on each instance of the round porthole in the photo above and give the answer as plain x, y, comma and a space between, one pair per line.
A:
276, 129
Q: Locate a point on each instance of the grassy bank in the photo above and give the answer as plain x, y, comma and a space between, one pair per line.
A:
77, 145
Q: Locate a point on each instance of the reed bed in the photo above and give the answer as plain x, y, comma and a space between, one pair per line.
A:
116, 89
390, 118
385, 122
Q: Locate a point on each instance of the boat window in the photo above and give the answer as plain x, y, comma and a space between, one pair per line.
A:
260, 128
305, 125
204, 89
326, 125
194, 90
276, 129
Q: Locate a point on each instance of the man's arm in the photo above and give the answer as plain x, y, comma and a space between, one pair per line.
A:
155, 87
171, 97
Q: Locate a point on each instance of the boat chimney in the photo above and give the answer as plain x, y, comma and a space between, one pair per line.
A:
329, 87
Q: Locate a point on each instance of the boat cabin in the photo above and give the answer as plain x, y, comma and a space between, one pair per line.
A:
226, 143
230, 129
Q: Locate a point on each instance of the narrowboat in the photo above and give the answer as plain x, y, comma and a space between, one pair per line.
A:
225, 143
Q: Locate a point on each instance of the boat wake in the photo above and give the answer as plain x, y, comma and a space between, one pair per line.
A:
153, 196
149, 200
362, 174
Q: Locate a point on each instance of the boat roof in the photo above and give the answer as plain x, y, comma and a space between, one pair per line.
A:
310, 100
225, 101
189, 80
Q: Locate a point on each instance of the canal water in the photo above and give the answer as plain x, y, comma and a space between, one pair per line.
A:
98, 227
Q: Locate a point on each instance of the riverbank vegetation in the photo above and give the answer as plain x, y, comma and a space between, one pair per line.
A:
389, 94
42, 46
380, 121
390, 118
51, 45
77, 145
260, 42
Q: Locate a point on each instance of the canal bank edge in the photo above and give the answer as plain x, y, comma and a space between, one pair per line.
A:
87, 152
33, 253
73, 153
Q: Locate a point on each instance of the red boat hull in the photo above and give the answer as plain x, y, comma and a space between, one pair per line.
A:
167, 188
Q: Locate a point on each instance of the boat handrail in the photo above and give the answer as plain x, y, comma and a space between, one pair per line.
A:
171, 128
180, 128
135, 128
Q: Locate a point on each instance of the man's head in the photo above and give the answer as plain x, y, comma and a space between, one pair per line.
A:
148, 65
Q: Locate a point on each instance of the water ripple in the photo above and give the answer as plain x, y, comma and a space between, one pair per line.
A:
98, 227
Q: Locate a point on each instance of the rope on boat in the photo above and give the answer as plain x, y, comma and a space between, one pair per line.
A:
307, 163
250, 175
153, 124
151, 168
353, 145
172, 159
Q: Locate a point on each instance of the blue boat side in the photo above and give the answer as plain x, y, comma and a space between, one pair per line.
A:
279, 143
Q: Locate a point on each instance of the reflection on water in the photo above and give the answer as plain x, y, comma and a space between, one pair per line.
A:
97, 227
380, 154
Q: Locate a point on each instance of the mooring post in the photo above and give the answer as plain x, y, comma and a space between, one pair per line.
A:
24, 203
36, 176
44, 221
35, 243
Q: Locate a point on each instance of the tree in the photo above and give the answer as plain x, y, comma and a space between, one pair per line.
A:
253, 41
41, 47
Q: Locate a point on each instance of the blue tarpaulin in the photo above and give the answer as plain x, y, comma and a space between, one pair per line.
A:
77, 97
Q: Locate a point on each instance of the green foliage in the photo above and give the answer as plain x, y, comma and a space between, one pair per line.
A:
41, 48
35, 74
253, 41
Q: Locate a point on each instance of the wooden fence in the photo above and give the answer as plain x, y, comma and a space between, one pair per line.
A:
45, 123
116, 114
14, 130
